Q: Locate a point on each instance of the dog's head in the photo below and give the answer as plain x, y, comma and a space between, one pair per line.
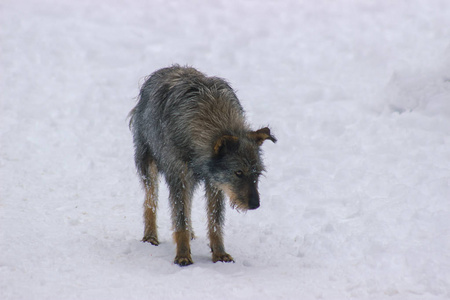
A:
236, 166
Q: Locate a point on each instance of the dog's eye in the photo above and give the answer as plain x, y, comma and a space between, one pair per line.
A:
239, 173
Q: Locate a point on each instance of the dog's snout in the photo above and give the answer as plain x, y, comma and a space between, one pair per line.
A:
253, 199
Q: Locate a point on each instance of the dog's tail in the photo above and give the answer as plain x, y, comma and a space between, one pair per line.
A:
131, 117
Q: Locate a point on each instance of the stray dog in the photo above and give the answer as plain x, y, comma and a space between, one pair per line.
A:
191, 128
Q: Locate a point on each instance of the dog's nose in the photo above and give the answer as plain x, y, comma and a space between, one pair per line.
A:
253, 199
253, 205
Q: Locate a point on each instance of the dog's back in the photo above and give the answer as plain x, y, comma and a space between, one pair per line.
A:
181, 112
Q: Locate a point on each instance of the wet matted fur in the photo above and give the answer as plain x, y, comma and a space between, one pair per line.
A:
191, 128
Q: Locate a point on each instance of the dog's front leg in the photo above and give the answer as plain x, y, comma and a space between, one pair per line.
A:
216, 218
180, 200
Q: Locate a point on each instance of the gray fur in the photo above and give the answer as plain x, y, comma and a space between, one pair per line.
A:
193, 128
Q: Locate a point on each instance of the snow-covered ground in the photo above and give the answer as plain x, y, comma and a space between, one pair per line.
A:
356, 199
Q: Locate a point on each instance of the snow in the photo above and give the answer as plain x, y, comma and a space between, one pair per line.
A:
354, 204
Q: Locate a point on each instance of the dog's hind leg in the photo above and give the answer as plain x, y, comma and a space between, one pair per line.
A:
149, 175
150, 205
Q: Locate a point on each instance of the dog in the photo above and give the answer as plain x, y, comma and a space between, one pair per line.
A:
191, 129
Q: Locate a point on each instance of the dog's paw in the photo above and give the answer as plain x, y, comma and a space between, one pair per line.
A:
183, 261
224, 257
151, 239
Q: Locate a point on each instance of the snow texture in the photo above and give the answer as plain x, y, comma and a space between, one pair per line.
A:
356, 198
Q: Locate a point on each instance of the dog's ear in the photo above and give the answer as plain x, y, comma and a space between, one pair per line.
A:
225, 144
259, 136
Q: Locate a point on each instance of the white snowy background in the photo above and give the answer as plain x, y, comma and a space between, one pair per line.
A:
356, 198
